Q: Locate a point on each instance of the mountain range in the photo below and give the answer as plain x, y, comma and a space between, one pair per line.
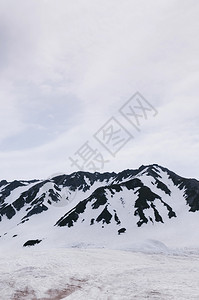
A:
98, 205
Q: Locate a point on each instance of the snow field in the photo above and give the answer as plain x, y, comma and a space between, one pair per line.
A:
98, 274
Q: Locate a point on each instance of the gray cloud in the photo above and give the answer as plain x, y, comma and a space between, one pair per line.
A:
66, 68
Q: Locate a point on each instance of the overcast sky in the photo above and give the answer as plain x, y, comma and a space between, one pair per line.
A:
68, 67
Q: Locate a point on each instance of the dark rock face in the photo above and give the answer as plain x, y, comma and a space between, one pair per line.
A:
73, 215
31, 243
7, 188
105, 216
8, 211
77, 180
122, 230
3, 183
191, 187
37, 209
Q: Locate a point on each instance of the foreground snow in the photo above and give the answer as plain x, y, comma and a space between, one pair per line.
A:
100, 274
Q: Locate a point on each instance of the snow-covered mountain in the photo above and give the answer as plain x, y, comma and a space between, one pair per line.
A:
87, 207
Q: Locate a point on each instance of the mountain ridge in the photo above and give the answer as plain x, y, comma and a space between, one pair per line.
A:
119, 202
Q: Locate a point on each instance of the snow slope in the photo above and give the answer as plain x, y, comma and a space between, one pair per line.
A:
98, 275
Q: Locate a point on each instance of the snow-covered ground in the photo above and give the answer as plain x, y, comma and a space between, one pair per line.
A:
99, 274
